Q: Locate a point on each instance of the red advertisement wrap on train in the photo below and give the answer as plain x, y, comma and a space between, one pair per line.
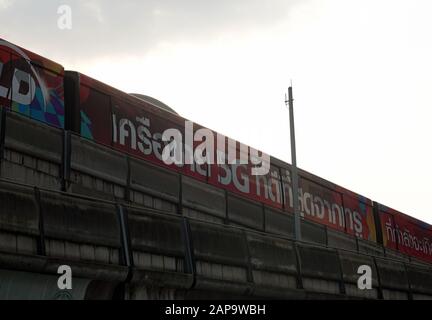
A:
127, 124
406, 234
31, 85
40, 89
332, 206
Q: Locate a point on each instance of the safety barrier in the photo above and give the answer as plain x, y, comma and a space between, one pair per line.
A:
221, 258
279, 223
19, 233
152, 254
350, 264
393, 279
30, 152
159, 250
341, 240
274, 267
156, 181
154, 230
320, 270
203, 197
48, 157
420, 279
245, 213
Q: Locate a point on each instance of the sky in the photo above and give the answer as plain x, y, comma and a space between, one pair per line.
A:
361, 74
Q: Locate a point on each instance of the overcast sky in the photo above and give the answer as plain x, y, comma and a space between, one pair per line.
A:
361, 71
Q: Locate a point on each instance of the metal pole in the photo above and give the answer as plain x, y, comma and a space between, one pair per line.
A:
297, 231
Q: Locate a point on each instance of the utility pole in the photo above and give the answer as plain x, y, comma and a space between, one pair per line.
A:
294, 174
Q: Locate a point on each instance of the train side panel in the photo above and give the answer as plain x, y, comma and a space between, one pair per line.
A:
31, 85
127, 124
406, 234
40, 89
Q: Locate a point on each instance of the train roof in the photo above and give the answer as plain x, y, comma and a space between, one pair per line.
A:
154, 101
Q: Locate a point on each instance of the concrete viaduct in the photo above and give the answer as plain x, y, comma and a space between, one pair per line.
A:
131, 230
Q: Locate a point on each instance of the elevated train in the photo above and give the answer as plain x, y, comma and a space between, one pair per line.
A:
42, 90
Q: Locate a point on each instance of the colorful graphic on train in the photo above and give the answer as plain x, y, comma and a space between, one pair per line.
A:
115, 119
34, 86
31, 85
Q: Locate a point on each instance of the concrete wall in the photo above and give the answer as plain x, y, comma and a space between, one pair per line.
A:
131, 227
32, 153
155, 255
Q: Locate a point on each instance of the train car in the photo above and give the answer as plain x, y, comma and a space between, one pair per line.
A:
31, 85
42, 90
114, 118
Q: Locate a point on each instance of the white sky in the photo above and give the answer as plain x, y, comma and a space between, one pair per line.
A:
361, 71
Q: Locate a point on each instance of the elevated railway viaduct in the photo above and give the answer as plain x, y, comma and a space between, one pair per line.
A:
132, 230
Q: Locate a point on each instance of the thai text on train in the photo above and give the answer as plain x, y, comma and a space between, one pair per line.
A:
204, 153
